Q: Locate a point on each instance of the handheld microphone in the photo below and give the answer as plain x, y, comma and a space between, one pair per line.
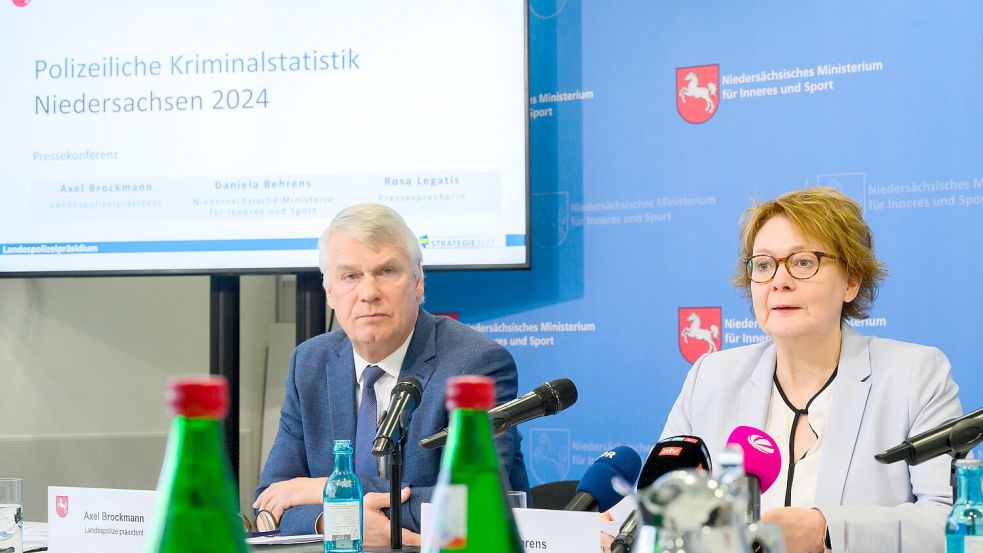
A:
546, 399
403, 400
954, 436
674, 453
667, 455
626, 536
762, 463
595, 491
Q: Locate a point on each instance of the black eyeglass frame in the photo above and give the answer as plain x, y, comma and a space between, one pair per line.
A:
784, 261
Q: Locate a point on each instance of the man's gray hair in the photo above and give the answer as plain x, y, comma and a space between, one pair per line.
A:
374, 225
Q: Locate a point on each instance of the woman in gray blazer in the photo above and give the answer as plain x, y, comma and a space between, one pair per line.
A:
829, 396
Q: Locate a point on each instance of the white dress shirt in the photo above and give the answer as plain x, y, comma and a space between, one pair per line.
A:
778, 424
391, 365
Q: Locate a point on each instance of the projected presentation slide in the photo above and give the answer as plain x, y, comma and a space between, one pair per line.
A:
224, 135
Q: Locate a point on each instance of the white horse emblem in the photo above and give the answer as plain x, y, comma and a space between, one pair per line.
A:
693, 90
695, 331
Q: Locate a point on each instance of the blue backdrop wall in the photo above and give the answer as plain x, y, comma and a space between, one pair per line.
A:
639, 177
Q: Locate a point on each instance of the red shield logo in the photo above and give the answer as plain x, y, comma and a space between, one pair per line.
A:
699, 331
696, 92
451, 314
61, 505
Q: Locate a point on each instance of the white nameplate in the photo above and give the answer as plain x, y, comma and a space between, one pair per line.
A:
98, 520
545, 531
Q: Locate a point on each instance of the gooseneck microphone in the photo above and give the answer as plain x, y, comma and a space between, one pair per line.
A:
954, 437
403, 400
595, 491
546, 399
762, 464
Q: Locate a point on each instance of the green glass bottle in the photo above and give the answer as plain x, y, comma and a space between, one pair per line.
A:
470, 510
197, 502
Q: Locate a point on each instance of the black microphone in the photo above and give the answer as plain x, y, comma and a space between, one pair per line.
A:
954, 436
403, 400
667, 455
674, 453
595, 492
546, 399
626, 537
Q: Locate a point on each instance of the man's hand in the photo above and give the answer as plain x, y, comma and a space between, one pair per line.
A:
281, 496
805, 529
377, 523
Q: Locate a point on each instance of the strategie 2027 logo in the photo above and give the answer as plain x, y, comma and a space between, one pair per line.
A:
697, 92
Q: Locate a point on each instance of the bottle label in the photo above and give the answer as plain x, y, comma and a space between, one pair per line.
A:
450, 517
964, 544
341, 523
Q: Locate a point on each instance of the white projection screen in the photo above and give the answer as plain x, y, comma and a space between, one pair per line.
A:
223, 136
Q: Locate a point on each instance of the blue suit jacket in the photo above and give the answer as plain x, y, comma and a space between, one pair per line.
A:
320, 407
884, 392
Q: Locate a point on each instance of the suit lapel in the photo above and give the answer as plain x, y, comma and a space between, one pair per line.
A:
421, 350
756, 392
340, 374
847, 404
340, 382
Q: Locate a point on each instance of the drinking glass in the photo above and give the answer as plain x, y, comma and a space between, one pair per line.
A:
11, 515
516, 500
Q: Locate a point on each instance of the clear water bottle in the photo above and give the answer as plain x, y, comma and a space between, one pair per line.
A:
731, 473
964, 527
342, 519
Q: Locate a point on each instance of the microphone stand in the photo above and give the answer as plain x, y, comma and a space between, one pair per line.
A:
395, 505
963, 437
952, 474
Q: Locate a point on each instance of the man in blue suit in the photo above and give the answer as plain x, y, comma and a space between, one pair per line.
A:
373, 276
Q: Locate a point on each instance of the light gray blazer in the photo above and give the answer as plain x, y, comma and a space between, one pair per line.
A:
885, 391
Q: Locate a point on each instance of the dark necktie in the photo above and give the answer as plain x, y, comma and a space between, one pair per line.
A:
368, 421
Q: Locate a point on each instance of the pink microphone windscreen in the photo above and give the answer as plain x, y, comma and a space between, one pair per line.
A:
761, 455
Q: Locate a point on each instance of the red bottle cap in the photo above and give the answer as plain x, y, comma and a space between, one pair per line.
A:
199, 396
470, 392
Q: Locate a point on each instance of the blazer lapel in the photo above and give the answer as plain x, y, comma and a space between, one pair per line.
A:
847, 404
756, 392
340, 382
421, 350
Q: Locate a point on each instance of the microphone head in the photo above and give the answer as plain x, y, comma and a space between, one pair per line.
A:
761, 455
556, 395
409, 385
621, 461
674, 453
902, 452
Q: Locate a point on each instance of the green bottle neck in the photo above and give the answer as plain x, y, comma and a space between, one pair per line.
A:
968, 484
470, 439
198, 440
198, 427
196, 490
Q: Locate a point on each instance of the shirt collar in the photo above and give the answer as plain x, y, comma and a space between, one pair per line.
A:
391, 364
